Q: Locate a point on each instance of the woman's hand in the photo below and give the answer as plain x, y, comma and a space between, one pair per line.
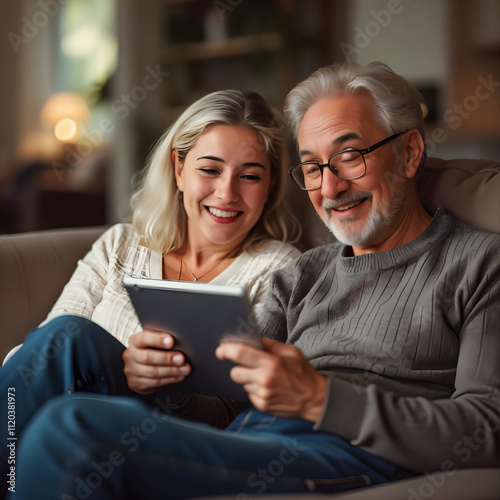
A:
150, 364
279, 380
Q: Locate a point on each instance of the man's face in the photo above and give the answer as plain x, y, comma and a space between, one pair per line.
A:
367, 211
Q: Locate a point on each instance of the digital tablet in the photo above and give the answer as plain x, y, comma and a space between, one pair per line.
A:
199, 316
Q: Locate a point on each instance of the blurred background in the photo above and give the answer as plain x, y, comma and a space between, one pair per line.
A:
88, 86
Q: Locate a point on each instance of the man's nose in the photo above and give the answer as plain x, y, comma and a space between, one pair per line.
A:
332, 185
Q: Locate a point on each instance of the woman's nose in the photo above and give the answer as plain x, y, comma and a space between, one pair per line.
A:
227, 189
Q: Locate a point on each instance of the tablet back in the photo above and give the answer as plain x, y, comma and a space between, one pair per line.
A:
199, 316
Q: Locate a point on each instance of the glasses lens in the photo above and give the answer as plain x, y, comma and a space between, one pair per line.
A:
348, 165
307, 175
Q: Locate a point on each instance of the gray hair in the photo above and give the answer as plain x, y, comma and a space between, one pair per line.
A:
397, 102
158, 211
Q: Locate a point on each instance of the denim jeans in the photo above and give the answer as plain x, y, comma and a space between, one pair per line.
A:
84, 434
67, 355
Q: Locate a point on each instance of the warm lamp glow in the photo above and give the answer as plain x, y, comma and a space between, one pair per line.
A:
64, 113
66, 129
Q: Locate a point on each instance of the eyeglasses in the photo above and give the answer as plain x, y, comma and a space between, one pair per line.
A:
348, 165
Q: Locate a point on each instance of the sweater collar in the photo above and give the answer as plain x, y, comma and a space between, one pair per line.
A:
437, 229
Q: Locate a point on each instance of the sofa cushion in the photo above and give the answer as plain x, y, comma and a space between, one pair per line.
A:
467, 189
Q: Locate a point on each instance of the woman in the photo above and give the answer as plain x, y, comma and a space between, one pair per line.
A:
209, 208
211, 201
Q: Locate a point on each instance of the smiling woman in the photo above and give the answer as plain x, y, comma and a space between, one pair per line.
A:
246, 121
209, 208
224, 194
214, 186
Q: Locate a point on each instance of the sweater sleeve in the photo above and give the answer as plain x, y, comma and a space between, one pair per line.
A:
264, 265
423, 434
84, 290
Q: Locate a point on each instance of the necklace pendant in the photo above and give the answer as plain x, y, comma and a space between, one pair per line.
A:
196, 279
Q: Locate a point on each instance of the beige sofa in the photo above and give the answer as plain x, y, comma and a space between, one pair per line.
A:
35, 266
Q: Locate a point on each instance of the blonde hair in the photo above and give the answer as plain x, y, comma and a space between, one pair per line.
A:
158, 211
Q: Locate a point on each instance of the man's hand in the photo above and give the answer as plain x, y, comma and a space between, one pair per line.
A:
279, 380
150, 364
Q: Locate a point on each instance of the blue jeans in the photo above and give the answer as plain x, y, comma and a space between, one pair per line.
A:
69, 354
105, 442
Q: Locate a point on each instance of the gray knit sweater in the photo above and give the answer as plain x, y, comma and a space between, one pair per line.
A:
410, 342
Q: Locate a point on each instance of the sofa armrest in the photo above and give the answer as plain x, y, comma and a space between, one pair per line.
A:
34, 267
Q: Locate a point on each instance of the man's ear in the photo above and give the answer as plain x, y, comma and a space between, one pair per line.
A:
177, 169
413, 149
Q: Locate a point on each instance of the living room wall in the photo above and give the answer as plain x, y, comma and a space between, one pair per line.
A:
447, 48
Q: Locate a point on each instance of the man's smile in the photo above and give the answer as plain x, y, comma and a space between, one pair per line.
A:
344, 203
347, 206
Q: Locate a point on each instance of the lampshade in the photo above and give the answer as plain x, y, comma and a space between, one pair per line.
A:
64, 113
64, 105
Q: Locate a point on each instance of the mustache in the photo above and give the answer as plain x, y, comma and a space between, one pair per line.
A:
344, 199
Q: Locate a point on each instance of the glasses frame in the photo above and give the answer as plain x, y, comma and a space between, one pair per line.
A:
333, 170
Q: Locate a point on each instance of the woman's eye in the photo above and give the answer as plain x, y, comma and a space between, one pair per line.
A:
251, 177
209, 171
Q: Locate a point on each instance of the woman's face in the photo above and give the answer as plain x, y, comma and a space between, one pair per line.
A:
225, 181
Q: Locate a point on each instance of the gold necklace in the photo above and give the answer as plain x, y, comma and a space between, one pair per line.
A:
197, 278
233, 253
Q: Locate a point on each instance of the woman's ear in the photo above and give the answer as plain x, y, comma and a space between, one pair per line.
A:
413, 149
177, 169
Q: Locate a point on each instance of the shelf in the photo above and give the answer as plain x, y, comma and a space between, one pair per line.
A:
218, 49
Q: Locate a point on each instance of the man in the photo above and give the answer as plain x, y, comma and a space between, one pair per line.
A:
382, 352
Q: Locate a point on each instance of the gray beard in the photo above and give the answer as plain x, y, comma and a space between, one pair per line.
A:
378, 218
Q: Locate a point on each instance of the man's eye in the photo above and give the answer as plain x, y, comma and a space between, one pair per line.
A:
349, 156
311, 169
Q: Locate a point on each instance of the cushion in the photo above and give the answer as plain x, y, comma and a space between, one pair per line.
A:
467, 189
